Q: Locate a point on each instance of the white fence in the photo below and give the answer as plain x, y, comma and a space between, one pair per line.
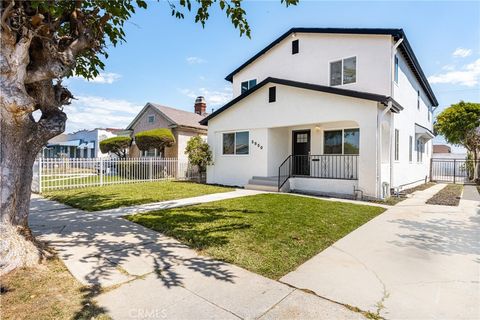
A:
63, 173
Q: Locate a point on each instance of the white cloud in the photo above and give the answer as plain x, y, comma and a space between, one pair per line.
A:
103, 77
462, 53
468, 75
89, 112
448, 67
213, 97
195, 60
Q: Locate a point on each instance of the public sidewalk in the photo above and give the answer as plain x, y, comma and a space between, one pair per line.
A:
148, 275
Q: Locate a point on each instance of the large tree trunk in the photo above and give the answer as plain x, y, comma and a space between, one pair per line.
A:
21, 139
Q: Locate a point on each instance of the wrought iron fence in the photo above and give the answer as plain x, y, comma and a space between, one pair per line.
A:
343, 167
453, 170
64, 173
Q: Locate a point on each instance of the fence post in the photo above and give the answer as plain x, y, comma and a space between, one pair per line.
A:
101, 171
40, 175
454, 169
150, 169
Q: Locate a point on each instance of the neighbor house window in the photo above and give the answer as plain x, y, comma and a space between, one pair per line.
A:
235, 142
345, 141
151, 118
410, 147
294, 46
397, 138
247, 85
150, 152
343, 71
272, 94
395, 72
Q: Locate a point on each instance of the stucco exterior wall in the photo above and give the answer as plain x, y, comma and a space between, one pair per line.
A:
312, 63
405, 93
270, 125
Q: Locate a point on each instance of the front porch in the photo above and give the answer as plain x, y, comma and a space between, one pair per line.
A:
320, 158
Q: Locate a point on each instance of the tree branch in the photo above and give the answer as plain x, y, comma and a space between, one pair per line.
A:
6, 14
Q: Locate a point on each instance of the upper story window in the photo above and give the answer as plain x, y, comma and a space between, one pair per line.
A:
418, 99
294, 46
151, 118
343, 71
395, 71
235, 143
247, 85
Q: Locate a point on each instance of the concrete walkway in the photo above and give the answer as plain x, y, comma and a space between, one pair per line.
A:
415, 261
147, 275
141, 208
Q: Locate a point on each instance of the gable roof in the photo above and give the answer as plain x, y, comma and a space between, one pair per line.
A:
396, 107
175, 116
397, 34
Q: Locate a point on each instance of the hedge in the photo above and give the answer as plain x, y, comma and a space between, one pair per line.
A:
154, 139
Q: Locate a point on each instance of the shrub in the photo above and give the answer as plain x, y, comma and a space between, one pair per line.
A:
199, 153
116, 145
154, 139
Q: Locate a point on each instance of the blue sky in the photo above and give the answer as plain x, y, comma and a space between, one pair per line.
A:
170, 61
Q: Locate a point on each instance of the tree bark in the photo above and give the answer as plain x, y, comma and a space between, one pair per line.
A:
22, 138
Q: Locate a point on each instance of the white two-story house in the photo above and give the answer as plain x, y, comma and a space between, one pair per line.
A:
344, 112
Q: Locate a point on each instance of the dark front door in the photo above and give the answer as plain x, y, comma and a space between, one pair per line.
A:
301, 152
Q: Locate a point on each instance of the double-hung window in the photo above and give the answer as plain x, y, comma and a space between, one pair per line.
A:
345, 141
395, 71
343, 71
247, 85
235, 143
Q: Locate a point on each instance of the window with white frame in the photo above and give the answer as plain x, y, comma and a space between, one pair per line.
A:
344, 141
397, 138
343, 71
247, 85
151, 118
150, 153
420, 149
235, 143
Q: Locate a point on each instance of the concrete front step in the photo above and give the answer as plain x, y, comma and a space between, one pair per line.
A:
261, 187
261, 182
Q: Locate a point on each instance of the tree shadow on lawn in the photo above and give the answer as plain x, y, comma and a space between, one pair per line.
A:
104, 251
195, 225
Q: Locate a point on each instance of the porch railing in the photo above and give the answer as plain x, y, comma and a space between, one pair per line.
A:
344, 167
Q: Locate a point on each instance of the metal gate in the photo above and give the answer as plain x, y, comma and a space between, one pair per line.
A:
453, 170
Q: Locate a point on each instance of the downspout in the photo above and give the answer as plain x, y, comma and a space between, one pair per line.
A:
379, 126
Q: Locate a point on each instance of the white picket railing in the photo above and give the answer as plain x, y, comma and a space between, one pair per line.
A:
64, 173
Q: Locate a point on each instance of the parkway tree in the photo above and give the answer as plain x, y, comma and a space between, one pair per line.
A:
42, 42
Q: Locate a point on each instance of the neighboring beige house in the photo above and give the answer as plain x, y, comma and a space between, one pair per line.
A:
183, 124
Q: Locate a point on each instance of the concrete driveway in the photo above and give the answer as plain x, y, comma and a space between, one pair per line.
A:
415, 261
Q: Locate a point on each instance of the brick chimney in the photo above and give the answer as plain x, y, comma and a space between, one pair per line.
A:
200, 105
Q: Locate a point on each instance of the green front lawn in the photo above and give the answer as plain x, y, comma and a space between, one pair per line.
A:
121, 195
270, 234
